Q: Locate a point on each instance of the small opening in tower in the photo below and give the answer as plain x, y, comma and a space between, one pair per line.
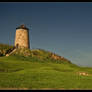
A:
17, 45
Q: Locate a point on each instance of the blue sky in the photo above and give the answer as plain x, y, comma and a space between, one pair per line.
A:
64, 28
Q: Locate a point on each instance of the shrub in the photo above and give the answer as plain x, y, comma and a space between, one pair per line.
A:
4, 48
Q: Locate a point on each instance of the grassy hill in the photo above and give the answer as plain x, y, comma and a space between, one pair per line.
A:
40, 69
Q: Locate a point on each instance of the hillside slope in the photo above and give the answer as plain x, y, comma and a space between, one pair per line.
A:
42, 69
24, 72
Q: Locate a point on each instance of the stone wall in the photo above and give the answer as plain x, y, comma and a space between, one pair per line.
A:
22, 38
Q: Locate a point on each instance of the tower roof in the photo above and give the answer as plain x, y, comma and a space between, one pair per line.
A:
22, 27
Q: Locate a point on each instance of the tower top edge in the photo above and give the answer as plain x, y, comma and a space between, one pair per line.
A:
22, 27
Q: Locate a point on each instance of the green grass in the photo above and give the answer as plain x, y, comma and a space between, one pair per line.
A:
35, 69
27, 72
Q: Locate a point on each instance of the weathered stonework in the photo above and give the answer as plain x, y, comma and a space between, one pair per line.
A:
22, 37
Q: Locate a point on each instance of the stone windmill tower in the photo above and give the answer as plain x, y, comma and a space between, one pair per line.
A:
22, 37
